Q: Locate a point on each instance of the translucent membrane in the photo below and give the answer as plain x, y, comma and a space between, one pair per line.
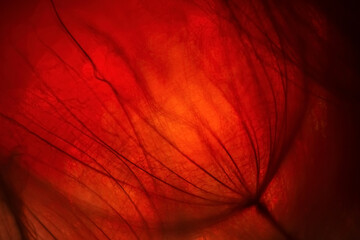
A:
175, 120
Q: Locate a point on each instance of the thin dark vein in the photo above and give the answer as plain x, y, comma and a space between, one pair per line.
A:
41, 223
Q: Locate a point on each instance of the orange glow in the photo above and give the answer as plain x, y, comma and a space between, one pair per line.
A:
174, 120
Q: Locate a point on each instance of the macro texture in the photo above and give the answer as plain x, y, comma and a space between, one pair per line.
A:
181, 119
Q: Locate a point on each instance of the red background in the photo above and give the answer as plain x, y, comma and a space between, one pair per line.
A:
178, 120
